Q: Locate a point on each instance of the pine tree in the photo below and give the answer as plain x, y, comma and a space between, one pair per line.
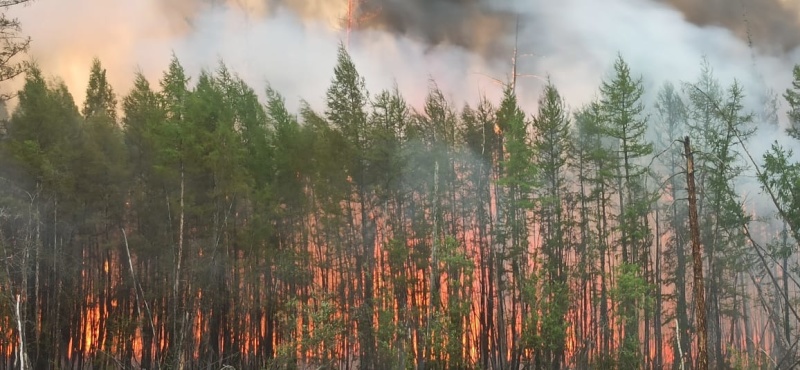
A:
480, 140
14, 44
670, 128
103, 172
100, 97
718, 125
624, 122
174, 138
553, 147
792, 96
347, 100
38, 156
594, 167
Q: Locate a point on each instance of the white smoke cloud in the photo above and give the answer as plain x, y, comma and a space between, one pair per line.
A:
574, 41
295, 55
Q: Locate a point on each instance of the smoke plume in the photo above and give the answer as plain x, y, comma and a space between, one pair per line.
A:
464, 45
771, 24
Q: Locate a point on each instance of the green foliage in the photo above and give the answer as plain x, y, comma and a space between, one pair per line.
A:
631, 287
792, 96
780, 176
328, 328
43, 135
100, 97
518, 166
104, 169
551, 140
718, 127
783, 178
621, 114
142, 115
478, 132
448, 320
390, 354
545, 328
347, 97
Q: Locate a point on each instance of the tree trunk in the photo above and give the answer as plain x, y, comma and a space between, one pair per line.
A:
699, 293
177, 326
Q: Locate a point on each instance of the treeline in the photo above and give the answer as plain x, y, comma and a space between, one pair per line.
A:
190, 224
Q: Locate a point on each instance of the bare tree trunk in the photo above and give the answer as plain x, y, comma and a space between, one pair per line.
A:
746, 319
699, 293
434, 273
657, 315
177, 335
678, 341
23, 356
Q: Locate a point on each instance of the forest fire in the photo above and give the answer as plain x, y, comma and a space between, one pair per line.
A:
194, 222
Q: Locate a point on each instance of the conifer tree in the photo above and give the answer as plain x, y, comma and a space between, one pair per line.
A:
347, 102
174, 138
100, 97
13, 44
594, 167
624, 122
104, 170
553, 148
671, 127
718, 125
38, 154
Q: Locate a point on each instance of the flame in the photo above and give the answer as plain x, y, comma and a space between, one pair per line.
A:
583, 332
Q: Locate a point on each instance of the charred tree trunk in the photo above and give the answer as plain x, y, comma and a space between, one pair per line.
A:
699, 293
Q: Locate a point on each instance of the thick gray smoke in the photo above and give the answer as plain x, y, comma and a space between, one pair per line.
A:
472, 24
483, 25
772, 24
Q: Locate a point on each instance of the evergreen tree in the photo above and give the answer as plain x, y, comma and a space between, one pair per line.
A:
553, 147
792, 96
347, 100
103, 172
38, 156
670, 128
624, 122
143, 116
14, 44
595, 175
717, 125
100, 97
174, 140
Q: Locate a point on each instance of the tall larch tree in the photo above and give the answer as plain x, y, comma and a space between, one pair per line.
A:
143, 117
347, 102
41, 146
174, 138
553, 147
625, 124
670, 127
718, 125
595, 172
